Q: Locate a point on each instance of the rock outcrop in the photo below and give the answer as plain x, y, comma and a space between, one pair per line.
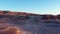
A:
28, 23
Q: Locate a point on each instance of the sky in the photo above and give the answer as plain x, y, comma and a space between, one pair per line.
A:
31, 6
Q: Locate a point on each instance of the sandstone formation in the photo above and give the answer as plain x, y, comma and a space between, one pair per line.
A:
28, 23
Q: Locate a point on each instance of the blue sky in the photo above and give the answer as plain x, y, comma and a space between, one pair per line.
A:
31, 6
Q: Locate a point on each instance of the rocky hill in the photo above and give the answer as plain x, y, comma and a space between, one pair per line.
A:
28, 23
